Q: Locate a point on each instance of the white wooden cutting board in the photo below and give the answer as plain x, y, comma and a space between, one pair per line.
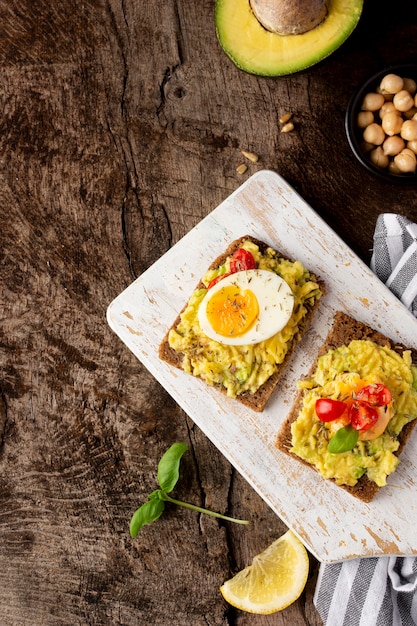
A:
332, 524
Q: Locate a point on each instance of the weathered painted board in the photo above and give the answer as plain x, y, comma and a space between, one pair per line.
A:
331, 523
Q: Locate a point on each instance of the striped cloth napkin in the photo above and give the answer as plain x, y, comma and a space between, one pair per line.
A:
378, 591
394, 258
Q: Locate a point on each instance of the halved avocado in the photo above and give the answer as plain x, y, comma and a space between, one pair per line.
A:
258, 51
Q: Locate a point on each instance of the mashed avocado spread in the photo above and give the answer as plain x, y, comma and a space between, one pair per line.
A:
340, 369
243, 368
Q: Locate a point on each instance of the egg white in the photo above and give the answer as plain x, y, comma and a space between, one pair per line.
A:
275, 300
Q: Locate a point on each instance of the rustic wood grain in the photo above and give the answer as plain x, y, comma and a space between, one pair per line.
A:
121, 127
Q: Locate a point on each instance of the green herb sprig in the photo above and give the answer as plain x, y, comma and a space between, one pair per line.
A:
344, 440
168, 475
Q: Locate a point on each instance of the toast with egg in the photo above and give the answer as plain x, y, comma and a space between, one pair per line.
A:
344, 331
186, 347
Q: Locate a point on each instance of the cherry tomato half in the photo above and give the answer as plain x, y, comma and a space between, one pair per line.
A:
362, 415
217, 279
375, 395
328, 410
242, 260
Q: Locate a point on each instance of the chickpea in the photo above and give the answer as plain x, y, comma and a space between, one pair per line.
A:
409, 130
387, 107
403, 101
393, 145
365, 118
390, 143
378, 157
393, 168
412, 145
391, 83
392, 123
410, 114
410, 85
406, 161
367, 147
387, 96
374, 134
373, 102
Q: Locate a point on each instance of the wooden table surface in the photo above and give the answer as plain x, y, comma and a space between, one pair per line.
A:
122, 125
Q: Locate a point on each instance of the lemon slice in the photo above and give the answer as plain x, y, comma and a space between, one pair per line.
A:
274, 580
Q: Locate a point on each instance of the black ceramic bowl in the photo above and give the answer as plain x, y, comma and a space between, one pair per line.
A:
354, 133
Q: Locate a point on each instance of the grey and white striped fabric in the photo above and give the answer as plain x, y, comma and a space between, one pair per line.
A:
368, 592
378, 591
394, 257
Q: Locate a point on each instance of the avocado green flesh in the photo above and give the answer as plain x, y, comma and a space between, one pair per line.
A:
258, 51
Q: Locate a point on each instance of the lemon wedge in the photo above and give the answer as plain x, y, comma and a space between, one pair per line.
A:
274, 580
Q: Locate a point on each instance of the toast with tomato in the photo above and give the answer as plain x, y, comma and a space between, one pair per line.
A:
355, 410
235, 346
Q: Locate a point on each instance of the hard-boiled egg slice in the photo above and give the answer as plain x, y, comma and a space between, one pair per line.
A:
246, 307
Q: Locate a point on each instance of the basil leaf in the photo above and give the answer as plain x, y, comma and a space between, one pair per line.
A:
155, 495
344, 440
168, 474
169, 466
147, 513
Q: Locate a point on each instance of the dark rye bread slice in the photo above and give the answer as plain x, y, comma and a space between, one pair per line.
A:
257, 400
344, 330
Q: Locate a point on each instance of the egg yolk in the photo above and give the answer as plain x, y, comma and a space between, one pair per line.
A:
232, 312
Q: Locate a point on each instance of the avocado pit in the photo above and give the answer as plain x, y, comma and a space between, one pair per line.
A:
289, 17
